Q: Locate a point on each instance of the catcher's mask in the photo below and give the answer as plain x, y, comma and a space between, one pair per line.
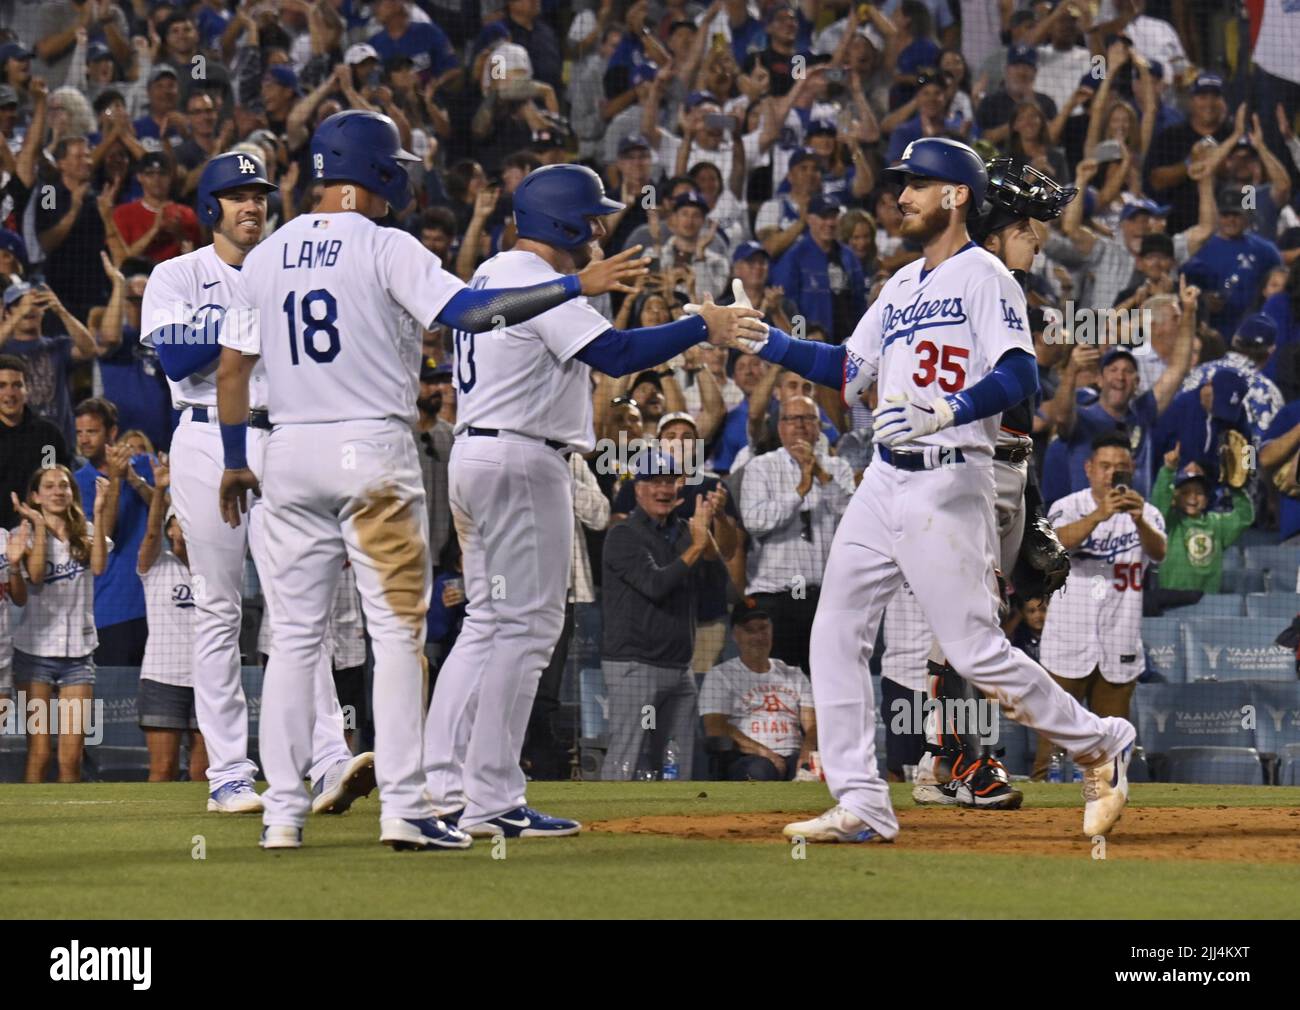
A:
1016, 191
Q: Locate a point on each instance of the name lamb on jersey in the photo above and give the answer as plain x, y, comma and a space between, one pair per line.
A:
312, 254
921, 314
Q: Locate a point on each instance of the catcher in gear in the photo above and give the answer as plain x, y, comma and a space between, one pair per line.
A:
957, 770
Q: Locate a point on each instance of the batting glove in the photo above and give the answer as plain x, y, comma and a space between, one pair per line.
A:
741, 300
899, 419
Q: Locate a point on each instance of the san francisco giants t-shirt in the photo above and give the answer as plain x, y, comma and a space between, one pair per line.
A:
763, 706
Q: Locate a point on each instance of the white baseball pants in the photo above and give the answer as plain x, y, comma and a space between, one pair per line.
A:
216, 555
936, 529
351, 487
512, 503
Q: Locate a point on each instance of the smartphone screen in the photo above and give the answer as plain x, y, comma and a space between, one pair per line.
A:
1121, 480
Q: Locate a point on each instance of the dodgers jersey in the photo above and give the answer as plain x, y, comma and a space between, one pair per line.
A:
195, 290
1097, 620
524, 378
59, 619
931, 333
334, 305
169, 604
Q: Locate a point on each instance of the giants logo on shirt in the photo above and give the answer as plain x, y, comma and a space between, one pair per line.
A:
920, 315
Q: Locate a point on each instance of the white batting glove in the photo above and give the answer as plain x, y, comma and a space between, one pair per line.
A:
741, 300
899, 419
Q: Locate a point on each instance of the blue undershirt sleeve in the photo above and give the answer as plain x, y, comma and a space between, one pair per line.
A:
622, 352
1013, 378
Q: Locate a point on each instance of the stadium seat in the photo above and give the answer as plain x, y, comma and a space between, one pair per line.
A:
1162, 638
1228, 648
1191, 715
1241, 580
1277, 721
1215, 766
1234, 559
1280, 608
1289, 766
1280, 561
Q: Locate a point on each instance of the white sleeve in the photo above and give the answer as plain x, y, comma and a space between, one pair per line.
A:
416, 278
998, 319
568, 328
769, 216
806, 695
241, 329
1153, 517
167, 298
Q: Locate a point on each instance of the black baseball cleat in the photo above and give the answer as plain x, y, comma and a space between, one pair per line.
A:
985, 786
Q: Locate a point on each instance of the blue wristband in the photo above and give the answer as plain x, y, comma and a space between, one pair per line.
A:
234, 440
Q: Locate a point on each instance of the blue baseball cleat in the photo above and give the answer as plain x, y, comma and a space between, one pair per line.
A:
525, 822
410, 835
235, 798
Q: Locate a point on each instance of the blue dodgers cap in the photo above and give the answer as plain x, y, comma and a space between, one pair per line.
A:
632, 142
1230, 389
698, 98
284, 75
1022, 55
1258, 330
819, 127
692, 199
748, 250
822, 206
12, 242
1208, 84
656, 464
802, 155
1190, 473
1116, 353
14, 51
1144, 206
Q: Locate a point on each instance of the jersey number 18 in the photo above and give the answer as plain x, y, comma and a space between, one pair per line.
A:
320, 314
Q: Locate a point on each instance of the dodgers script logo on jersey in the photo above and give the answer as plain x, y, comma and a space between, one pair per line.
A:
922, 314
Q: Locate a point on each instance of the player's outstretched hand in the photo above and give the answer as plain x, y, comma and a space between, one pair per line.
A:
732, 325
235, 485
617, 273
898, 419
740, 299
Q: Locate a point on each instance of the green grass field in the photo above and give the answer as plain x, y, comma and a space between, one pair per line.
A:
126, 850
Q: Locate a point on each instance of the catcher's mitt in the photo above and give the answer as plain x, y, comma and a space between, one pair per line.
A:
1234, 459
1044, 563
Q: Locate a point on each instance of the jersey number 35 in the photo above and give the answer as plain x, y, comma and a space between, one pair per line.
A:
947, 364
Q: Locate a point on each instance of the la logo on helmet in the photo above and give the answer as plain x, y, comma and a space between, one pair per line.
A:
246, 167
907, 151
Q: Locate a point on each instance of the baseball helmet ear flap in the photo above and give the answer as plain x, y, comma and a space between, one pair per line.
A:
225, 172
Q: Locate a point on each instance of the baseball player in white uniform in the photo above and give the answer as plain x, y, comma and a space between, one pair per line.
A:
948, 345
186, 302
524, 403
333, 306
1096, 627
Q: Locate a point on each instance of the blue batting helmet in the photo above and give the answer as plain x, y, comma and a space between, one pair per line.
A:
365, 148
554, 205
227, 171
951, 160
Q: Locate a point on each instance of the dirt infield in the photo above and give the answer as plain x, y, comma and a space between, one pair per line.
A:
1232, 834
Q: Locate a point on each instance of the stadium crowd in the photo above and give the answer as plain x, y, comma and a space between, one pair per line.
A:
747, 141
